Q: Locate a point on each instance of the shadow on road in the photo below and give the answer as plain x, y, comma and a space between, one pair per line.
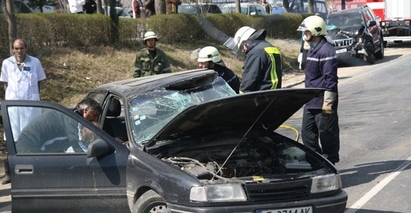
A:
368, 172
353, 61
5, 199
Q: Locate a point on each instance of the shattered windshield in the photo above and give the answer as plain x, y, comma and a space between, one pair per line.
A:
151, 111
345, 20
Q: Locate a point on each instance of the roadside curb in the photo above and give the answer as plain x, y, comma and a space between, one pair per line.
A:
293, 80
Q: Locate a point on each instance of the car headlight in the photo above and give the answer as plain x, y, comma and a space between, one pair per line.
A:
326, 183
218, 193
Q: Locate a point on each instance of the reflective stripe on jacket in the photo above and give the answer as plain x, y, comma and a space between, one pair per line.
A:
262, 68
321, 72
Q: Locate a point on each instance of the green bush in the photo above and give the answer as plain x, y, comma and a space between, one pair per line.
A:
55, 29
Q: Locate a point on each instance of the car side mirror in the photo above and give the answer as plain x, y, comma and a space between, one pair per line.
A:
372, 24
98, 148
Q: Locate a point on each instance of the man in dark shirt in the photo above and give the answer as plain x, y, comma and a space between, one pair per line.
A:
210, 58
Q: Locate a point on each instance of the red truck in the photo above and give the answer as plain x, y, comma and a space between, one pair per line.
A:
349, 4
395, 18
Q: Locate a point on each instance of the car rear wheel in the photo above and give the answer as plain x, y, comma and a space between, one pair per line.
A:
150, 202
380, 53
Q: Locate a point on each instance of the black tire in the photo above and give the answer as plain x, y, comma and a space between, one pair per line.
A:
369, 58
150, 202
380, 53
369, 48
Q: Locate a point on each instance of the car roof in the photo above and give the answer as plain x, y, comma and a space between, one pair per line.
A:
134, 86
347, 11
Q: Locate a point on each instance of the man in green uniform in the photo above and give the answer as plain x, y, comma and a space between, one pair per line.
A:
150, 60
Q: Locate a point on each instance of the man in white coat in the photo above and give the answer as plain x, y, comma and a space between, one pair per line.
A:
76, 6
21, 75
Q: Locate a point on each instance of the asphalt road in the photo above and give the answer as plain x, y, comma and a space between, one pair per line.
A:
374, 114
374, 111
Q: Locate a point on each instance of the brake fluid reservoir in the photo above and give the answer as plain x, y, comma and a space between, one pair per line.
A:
294, 153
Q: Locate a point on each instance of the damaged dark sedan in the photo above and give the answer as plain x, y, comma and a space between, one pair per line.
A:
178, 142
356, 32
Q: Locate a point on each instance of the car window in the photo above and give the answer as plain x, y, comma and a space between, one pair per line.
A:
47, 131
151, 111
19, 7
261, 10
187, 9
320, 7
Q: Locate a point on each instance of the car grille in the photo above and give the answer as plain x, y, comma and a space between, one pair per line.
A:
278, 191
343, 42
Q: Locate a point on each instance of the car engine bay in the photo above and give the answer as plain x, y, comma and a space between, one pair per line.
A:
232, 158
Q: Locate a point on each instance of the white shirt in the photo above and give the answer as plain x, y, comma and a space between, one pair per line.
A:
22, 84
76, 6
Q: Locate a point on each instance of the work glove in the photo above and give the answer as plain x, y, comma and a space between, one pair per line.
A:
300, 61
329, 99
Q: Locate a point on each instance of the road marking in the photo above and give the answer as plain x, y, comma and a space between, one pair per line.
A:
364, 199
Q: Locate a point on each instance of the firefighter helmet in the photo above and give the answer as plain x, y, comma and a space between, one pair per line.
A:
314, 24
243, 34
209, 53
150, 34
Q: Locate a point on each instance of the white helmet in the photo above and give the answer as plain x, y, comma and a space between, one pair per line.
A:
150, 34
209, 53
314, 24
241, 35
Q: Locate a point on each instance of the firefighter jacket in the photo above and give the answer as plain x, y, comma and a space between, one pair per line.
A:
229, 76
262, 68
321, 72
146, 65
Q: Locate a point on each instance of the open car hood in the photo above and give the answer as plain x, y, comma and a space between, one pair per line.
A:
238, 112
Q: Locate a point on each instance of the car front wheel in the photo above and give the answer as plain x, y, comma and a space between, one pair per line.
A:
150, 202
380, 53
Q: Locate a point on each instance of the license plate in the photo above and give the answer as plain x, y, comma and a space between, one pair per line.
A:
308, 209
341, 51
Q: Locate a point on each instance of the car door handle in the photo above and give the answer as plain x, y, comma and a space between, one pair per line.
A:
24, 169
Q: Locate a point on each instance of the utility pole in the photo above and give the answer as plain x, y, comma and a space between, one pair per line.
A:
343, 4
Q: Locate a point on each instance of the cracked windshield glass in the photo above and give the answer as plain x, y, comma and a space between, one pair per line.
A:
151, 111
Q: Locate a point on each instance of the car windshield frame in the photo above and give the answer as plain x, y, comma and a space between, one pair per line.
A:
150, 112
338, 19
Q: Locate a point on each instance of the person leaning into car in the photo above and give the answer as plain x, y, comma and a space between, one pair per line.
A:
150, 60
64, 134
22, 76
320, 118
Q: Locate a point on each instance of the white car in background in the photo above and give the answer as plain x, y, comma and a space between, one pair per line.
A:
246, 8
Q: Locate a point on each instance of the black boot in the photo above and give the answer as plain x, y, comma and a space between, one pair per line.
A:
6, 178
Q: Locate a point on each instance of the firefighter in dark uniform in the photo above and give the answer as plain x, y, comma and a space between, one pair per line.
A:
209, 57
263, 62
320, 118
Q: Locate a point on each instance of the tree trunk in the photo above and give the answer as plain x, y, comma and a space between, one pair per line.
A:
8, 9
310, 6
286, 6
237, 6
160, 6
99, 7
